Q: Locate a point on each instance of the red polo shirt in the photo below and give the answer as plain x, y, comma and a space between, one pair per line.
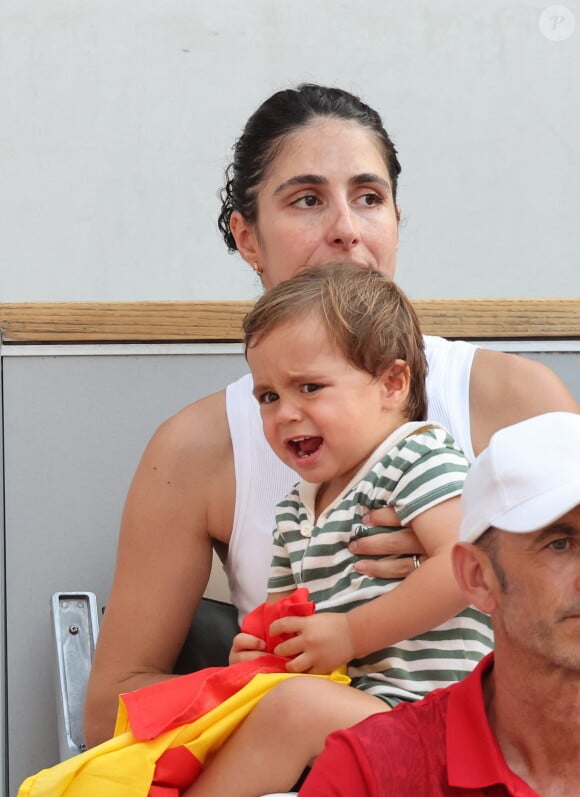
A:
441, 746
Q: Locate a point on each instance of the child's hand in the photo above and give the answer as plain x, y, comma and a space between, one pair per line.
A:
246, 647
320, 643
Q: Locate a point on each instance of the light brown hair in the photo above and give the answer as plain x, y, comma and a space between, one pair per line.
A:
369, 318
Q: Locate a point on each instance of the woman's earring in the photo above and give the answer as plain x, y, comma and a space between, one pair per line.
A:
256, 266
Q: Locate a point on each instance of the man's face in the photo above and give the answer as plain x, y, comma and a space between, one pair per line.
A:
538, 605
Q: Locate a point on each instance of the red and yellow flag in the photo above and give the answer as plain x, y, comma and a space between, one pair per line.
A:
166, 731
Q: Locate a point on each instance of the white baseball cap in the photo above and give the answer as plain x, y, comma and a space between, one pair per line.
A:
527, 478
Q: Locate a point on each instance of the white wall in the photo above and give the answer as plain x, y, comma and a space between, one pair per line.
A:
117, 118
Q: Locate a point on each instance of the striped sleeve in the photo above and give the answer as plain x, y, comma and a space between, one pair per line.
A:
432, 469
281, 577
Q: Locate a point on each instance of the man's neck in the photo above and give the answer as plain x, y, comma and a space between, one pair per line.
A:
536, 720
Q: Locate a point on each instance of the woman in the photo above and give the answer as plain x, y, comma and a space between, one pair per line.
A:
314, 180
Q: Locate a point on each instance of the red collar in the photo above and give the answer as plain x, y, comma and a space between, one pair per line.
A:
474, 758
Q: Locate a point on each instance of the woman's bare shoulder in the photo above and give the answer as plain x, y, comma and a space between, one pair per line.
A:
198, 430
190, 460
507, 388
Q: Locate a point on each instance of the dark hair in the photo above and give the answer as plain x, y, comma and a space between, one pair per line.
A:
369, 318
280, 115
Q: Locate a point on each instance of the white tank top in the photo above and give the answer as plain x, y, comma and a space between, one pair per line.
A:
262, 480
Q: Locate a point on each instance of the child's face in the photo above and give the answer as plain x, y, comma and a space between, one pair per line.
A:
322, 416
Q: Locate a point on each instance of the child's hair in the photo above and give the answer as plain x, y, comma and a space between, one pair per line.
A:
370, 319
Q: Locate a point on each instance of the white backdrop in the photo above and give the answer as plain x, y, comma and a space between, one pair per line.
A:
117, 120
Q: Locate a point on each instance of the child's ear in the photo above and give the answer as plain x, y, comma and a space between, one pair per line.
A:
396, 381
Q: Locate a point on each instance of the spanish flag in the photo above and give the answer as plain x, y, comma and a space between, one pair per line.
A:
165, 732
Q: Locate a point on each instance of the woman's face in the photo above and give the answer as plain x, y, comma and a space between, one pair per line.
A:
326, 197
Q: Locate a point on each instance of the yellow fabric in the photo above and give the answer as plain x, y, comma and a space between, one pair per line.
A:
124, 767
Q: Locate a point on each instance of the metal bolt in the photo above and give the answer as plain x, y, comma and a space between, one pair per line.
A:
73, 629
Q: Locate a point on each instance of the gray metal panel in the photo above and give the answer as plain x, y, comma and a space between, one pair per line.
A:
566, 364
3, 738
75, 430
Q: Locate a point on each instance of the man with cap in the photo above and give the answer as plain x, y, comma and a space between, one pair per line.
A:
512, 727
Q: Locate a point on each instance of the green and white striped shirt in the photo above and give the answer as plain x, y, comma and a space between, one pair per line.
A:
416, 468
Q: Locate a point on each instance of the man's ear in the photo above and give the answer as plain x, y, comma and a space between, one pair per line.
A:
245, 237
475, 575
396, 381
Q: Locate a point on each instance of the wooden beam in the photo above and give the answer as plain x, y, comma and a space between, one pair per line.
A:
82, 322
500, 319
122, 321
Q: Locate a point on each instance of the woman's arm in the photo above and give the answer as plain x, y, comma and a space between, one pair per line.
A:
424, 600
180, 500
507, 388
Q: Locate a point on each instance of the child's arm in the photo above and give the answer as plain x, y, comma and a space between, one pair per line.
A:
424, 600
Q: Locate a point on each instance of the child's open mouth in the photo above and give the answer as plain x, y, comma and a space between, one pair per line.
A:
304, 447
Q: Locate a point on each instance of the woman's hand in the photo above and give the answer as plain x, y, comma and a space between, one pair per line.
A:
246, 647
391, 545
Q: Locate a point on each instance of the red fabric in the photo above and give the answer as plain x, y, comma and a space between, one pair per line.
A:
160, 707
259, 621
441, 746
166, 705
175, 770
